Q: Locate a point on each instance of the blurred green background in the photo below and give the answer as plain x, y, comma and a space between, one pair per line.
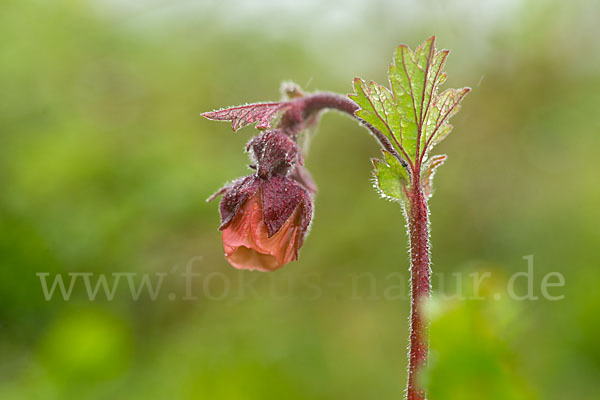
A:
105, 166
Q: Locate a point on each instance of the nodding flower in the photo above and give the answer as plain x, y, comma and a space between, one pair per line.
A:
265, 216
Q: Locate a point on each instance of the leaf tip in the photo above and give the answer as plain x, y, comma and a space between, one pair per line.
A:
208, 114
358, 82
432, 40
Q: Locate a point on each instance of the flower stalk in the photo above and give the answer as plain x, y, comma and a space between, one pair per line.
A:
417, 219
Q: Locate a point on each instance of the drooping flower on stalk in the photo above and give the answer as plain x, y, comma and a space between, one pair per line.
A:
265, 216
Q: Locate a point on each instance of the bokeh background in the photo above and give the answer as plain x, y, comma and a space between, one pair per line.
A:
105, 166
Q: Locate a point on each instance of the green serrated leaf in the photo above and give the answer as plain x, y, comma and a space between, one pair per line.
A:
444, 107
411, 114
377, 107
391, 178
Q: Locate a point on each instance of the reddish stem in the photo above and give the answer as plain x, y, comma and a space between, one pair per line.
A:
304, 108
417, 214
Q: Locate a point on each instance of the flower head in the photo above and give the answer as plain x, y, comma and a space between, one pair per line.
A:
265, 216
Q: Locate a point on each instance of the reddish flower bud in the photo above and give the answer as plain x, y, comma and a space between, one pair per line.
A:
264, 221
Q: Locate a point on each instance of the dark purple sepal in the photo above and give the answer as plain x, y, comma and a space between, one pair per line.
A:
234, 196
280, 197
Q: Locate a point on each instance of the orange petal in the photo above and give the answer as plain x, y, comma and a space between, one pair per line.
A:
246, 241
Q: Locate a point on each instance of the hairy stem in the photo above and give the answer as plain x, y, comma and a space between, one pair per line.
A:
318, 101
417, 215
306, 107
